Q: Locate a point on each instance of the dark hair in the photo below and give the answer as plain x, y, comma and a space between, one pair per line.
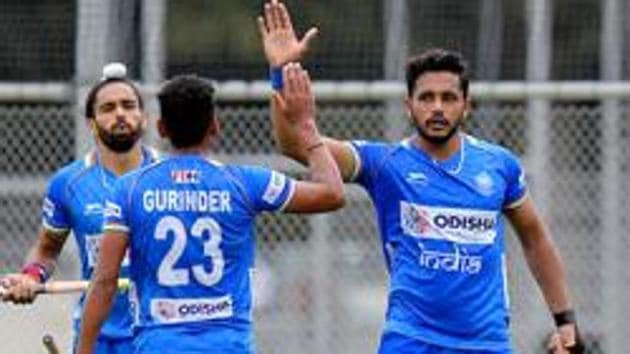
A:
90, 110
437, 59
187, 107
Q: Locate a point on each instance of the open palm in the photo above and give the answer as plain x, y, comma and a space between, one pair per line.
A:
280, 43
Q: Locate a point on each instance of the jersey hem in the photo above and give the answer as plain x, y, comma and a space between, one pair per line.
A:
443, 340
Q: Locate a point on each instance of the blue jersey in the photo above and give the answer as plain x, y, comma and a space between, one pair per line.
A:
190, 223
75, 202
443, 238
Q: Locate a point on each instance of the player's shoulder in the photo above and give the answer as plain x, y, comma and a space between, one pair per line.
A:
377, 148
72, 171
481, 147
375, 144
244, 173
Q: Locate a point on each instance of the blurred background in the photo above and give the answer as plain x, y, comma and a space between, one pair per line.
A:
549, 84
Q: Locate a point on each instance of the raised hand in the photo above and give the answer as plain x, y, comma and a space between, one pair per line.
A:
280, 43
297, 103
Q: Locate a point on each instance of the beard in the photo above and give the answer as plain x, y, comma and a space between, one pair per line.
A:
439, 139
119, 141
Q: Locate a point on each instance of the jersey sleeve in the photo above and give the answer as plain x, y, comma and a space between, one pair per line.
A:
368, 157
55, 215
267, 190
516, 185
115, 217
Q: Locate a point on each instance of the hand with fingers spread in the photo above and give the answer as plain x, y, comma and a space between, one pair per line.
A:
19, 288
280, 42
297, 103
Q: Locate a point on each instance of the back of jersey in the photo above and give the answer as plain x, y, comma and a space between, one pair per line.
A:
190, 223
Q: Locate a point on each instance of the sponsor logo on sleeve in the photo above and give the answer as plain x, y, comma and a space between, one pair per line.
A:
93, 209
49, 208
458, 225
112, 210
417, 178
191, 310
521, 180
275, 187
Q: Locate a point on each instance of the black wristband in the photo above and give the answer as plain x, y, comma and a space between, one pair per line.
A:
564, 317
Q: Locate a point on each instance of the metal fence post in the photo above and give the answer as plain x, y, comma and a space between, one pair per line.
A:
539, 44
321, 261
396, 25
611, 63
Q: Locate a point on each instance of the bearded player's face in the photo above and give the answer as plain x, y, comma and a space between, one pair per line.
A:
118, 119
437, 106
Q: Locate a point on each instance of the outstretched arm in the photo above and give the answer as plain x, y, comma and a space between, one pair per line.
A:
281, 46
546, 265
324, 190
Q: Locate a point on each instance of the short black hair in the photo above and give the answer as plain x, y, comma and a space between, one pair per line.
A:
437, 59
90, 110
187, 109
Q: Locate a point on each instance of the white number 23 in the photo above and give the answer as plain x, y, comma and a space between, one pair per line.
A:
168, 275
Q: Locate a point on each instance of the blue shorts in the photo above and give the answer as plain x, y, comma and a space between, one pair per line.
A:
105, 345
396, 343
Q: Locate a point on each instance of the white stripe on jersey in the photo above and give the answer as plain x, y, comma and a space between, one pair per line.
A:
357, 162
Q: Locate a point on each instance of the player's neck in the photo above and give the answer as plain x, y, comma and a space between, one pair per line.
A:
201, 149
193, 150
120, 162
440, 151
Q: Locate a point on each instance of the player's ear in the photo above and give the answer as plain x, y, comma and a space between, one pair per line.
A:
144, 121
407, 106
162, 128
215, 126
468, 108
91, 123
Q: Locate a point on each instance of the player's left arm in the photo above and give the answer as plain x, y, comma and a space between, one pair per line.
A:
546, 265
102, 289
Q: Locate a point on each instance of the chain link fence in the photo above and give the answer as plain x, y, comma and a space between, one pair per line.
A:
321, 281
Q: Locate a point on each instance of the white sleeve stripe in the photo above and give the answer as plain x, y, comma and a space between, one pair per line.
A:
115, 227
49, 227
517, 203
289, 195
357, 162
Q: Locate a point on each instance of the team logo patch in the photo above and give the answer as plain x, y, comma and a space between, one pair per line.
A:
458, 225
485, 184
185, 176
275, 187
